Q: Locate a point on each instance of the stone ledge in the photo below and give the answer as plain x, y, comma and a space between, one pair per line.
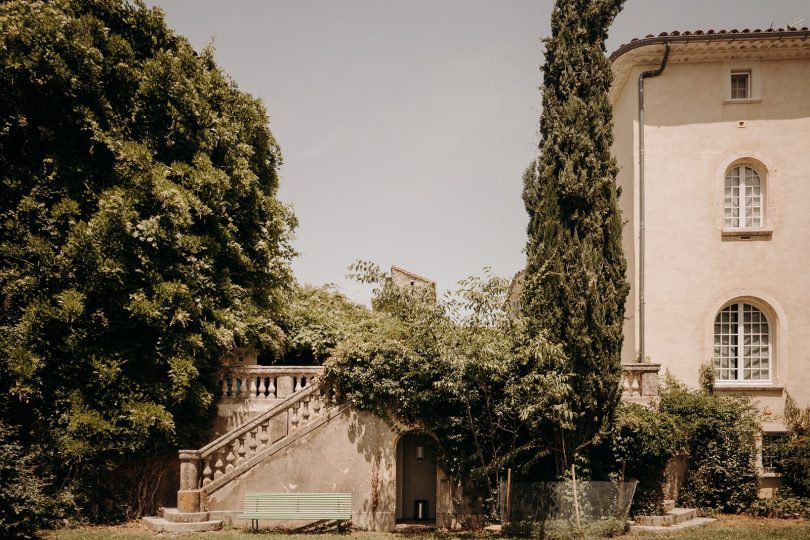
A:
175, 516
159, 524
694, 522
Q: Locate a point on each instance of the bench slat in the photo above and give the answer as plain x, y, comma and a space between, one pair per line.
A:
293, 506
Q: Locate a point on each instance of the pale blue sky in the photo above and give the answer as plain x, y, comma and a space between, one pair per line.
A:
406, 125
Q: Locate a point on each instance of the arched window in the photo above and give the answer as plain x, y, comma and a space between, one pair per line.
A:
743, 206
742, 344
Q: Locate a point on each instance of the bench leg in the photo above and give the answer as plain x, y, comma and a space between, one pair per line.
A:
338, 526
254, 525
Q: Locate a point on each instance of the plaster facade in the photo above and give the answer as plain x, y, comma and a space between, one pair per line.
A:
695, 265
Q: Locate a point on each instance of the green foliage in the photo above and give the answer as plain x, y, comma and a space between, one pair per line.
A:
794, 452
316, 320
140, 238
517, 529
24, 507
643, 441
720, 433
706, 378
575, 286
785, 504
457, 368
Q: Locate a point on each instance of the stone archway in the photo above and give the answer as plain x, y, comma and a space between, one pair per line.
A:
416, 477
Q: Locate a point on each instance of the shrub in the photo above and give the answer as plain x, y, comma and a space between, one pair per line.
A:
643, 442
784, 505
720, 436
794, 452
23, 506
517, 529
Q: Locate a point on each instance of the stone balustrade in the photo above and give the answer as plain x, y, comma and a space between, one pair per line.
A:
216, 463
639, 383
243, 383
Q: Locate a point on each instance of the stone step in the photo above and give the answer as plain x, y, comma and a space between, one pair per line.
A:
173, 515
673, 517
682, 514
159, 524
656, 529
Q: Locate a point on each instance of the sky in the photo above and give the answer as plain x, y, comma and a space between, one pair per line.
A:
406, 125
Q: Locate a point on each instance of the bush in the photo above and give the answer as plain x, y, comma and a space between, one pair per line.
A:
794, 464
517, 529
721, 433
23, 506
643, 441
784, 505
794, 453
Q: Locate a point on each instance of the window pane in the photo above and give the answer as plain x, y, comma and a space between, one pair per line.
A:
725, 343
741, 351
739, 85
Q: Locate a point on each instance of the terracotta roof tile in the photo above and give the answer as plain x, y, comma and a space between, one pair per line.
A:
711, 32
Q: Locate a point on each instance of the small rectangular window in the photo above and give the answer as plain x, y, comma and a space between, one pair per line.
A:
771, 450
740, 84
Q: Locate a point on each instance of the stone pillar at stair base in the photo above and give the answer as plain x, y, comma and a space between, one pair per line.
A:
188, 500
188, 497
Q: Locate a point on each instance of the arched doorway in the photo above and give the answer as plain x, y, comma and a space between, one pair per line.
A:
416, 478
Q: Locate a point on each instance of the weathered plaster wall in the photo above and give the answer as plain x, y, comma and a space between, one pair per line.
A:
354, 452
344, 455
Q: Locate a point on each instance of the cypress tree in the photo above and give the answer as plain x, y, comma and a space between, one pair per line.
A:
575, 285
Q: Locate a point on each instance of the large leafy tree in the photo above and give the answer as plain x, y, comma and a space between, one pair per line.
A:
456, 367
575, 285
140, 237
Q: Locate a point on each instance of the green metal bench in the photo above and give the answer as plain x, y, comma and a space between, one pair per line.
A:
297, 506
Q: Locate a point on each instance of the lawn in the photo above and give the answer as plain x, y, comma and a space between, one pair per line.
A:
726, 528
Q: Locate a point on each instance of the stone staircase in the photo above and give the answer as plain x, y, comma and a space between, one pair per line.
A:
236, 452
673, 519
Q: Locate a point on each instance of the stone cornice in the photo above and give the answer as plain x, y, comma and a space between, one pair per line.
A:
707, 48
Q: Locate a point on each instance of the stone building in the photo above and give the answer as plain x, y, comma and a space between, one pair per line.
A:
718, 249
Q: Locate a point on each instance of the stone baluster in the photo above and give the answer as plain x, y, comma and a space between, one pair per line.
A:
635, 387
219, 467
223, 384
264, 434
271, 387
252, 442
253, 389
626, 383
297, 385
294, 417
305, 409
316, 404
240, 450
262, 388
207, 472
231, 457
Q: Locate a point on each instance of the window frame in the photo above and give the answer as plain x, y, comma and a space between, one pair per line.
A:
739, 357
748, 86
740, 199
768, 461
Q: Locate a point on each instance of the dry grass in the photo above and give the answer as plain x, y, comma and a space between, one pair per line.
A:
743, 528
726, 528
